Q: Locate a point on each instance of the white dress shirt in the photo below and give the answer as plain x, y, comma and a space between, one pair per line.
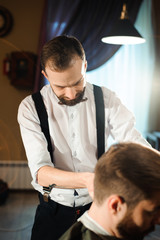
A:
92, 225
73, 136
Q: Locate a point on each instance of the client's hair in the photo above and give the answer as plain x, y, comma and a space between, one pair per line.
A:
130, 170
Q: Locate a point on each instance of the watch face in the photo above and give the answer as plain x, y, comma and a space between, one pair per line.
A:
6, 21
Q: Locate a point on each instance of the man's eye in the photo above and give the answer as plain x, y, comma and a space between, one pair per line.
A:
59, 87
77, 84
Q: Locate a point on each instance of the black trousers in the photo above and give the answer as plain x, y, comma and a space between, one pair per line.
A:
53, 219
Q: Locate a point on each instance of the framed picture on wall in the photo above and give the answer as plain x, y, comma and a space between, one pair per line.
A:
23, 67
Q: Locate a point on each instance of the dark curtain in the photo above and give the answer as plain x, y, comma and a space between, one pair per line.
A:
156, 27
89, 21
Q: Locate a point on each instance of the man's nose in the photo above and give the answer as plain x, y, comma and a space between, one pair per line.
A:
70, 93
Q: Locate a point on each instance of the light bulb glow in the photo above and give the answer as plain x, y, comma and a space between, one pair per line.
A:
123, 40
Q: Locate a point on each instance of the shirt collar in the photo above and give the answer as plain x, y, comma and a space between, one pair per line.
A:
92, 225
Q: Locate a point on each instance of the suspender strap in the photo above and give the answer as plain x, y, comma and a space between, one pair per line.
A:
100, 119
43, 117
100, 123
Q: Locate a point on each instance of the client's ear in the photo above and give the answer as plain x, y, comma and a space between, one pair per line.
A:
117, 205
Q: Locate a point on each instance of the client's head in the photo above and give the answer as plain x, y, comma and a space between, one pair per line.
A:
127, 185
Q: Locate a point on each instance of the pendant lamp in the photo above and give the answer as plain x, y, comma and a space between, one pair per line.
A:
124, 32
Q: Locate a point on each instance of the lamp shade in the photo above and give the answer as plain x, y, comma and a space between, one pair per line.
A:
123, 32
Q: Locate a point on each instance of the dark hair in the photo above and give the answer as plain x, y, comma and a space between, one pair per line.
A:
130, 170
60, 51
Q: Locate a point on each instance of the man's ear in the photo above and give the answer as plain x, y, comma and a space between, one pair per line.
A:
44, 74
117, 205
85, 65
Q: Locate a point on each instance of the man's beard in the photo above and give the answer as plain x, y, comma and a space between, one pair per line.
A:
78, 99
130, 231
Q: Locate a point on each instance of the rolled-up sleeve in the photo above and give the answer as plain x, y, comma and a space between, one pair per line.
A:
121, 121
34, 141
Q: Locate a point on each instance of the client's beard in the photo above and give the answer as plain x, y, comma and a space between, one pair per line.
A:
79, 98
130, 231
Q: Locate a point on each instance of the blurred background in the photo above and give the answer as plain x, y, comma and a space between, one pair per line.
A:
132, 71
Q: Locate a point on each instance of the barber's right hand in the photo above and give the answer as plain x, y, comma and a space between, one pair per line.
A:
90, 183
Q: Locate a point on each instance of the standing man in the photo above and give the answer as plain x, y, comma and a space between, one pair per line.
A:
126, 203
70, 106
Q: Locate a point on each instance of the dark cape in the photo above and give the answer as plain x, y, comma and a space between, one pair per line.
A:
79, 232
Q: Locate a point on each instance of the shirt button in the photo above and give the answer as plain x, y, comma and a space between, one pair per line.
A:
75, 154
73, 135
72, 115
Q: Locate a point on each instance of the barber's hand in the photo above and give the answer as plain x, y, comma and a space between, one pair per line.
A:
89, 183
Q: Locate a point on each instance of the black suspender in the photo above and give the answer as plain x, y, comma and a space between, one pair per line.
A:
43, 117
100, 119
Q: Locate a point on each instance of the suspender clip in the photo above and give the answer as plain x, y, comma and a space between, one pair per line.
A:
47, 191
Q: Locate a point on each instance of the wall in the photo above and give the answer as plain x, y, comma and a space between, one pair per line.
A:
23, 36
154, 117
